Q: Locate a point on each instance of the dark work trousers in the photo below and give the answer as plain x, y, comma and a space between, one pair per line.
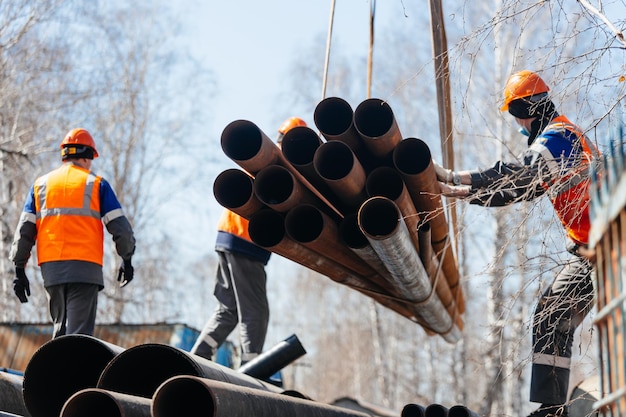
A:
240, 289
73, 308
561, 309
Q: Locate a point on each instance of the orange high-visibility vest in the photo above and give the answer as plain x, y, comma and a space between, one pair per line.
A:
69, 226
571, 201
234, 224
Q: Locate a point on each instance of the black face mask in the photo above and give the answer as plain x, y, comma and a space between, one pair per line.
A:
520, 108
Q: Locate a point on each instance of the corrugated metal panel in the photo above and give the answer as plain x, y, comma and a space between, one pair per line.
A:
18, 341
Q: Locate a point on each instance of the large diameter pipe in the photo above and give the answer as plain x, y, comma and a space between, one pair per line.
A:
234, 190
11, 394
279, 356
340, 169
461, 411
334, 118
412, 158
376, 124
412, 410
267, 229
436, 410
95, 402
247, 145
140, 370
60, 368
379, 219
276, 187
192, 396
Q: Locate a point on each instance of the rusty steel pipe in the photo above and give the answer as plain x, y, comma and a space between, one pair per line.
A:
412, 410
273, 360
11, 394
387, 182
376, 124
95, 402
276, 187
140, 370
247, 145
379, 219
461, 411
234, 190
267, 230
76, 361
309, 226
436, 410
334, 118
192, 396
412, 158
340, 169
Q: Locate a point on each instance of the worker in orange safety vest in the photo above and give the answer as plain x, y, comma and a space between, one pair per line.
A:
556, 163
64, 214
240, 284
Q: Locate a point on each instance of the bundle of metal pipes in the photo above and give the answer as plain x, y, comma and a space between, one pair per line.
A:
357, 203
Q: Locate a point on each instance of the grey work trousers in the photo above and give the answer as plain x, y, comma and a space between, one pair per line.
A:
561, 309
73, 308
240, 289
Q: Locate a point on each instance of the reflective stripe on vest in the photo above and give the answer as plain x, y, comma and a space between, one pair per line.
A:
234, 224
67, 203
570, 194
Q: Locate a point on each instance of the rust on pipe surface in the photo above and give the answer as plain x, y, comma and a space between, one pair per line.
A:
309, 226
234, 190
412, 410
376, 124
387, 182
334, 118
340, 169
267, 230
140, 370
432, 266
379, 219
11, 394
76, 361
95, 402
192, 396
276, 187
412, 158
247, 145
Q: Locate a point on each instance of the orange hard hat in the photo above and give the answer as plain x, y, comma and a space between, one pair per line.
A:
79, 137
290, 124
522, 84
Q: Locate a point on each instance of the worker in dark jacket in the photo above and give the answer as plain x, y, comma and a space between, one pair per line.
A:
64, 213
240, 285
557, 164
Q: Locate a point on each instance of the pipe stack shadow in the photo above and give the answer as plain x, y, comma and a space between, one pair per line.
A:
361, 207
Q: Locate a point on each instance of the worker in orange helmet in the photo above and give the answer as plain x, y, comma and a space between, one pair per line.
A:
64, 214
557, 164
240, 284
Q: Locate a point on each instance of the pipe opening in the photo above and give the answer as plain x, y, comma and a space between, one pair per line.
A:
304, 223
378, 217
333, 116
412, 156
350, 232
299, 145
233, 188
334, 160
373, 118
141, 369
274, 185
412, 410
385, 182
183, 397
91, 403
241, 140
267, 228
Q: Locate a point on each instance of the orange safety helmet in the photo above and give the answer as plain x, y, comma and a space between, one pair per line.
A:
522, 84
288, 125
79, 136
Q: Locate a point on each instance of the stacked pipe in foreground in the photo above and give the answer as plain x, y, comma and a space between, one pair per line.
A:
362, 208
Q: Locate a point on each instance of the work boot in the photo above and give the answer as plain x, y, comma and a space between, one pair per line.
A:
549, 410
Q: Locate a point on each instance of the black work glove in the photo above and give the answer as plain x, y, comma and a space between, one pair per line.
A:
126, 273
21, 286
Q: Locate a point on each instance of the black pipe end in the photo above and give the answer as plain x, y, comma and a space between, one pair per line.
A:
412, 156
266, 228
333, 116
241, 140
